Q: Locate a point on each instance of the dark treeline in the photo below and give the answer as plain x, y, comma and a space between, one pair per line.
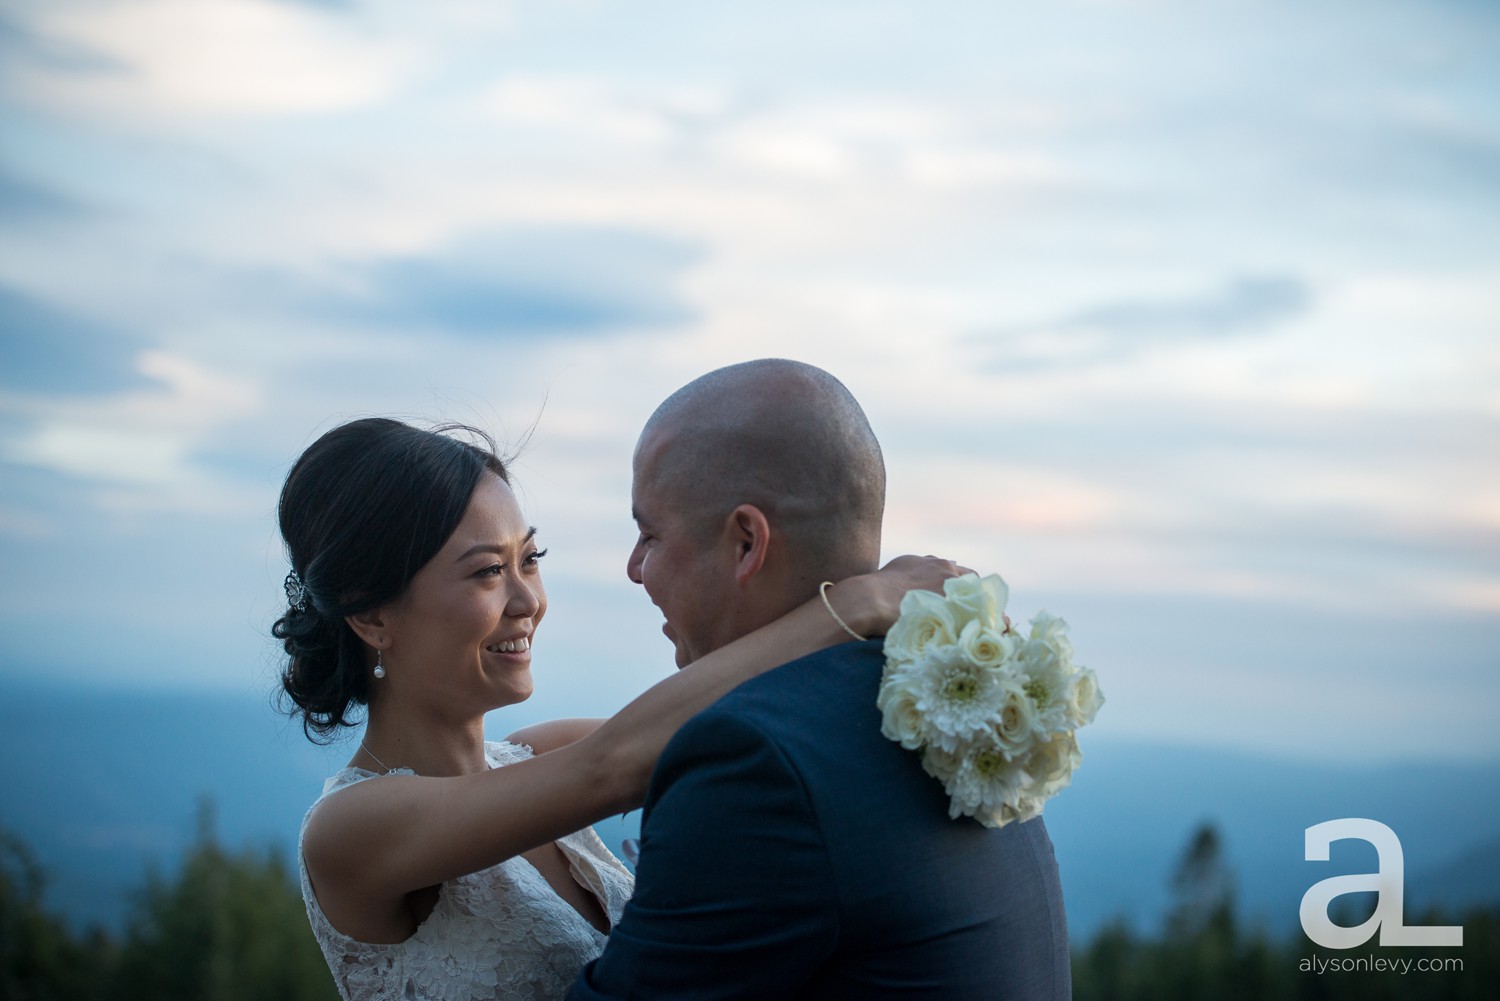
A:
231, 927
1205, 952
227, 927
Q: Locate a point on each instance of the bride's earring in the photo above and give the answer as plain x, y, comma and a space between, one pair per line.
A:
379, 668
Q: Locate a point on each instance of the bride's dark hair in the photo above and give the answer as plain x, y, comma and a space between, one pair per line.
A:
363, 509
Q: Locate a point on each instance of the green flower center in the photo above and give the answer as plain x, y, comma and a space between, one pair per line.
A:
961, 688
1037, 691
989, 762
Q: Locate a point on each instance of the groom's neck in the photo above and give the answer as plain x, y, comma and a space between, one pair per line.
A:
775, 593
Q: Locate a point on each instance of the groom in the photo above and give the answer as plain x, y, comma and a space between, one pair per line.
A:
788, 850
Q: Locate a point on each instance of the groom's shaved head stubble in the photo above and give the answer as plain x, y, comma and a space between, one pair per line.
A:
785, 437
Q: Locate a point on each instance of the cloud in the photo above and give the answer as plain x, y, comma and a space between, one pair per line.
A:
1446, 150
139, 448
1126, 327
23, 45
22, 199
229, 57
1245, 304
342, 5
50, 350
599, 107
1269, 501
557, 280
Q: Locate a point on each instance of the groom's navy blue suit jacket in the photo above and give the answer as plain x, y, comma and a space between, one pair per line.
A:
788, 850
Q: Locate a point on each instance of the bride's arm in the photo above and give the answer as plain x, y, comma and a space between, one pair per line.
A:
378, 841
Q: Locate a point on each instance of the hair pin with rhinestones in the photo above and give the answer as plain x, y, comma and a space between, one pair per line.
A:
296, 592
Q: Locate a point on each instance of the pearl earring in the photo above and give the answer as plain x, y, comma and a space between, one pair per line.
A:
379, 668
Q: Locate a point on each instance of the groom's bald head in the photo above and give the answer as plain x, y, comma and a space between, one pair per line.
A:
785, 437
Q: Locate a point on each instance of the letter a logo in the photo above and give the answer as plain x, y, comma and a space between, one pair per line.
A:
1389, 883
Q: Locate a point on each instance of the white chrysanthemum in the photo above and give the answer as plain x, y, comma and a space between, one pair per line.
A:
926, 621
900, 719
1045, 672
958, 699
986, 780
1045, 693
976, 599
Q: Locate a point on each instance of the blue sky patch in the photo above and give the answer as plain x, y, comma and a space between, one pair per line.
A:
47, 349
578, 281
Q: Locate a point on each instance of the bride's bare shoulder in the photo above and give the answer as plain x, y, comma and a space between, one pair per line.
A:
340, 818
554, 733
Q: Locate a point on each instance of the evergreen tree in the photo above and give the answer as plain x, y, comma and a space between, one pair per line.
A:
1202, 888
40, 960
230, 927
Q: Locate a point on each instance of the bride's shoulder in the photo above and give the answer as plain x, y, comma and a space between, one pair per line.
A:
549, 736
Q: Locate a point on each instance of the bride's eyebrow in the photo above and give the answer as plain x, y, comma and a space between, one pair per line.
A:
491, 547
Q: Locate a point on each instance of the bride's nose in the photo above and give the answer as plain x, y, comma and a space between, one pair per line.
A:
525, 598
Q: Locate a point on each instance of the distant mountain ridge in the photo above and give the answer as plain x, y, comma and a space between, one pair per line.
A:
104, 784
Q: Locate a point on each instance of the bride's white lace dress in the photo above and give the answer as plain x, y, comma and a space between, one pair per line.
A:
501, 933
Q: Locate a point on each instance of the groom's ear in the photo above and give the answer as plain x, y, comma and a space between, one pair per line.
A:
751, 534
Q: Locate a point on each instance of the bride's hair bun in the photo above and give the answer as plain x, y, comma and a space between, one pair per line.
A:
363, 509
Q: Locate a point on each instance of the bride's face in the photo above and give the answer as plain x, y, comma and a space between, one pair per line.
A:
460, 636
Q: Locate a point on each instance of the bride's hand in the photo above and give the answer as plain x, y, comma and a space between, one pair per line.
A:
871, 602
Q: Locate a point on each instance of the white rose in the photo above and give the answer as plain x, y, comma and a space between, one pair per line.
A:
1051, 765
1026, 808
974, 598
986, 646
1051, 632
925, 622
1017, 721
899, 718
1084, 697
941, 765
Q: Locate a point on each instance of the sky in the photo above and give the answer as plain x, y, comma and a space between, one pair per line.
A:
1180, 316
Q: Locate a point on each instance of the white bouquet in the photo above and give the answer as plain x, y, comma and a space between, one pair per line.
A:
993, 713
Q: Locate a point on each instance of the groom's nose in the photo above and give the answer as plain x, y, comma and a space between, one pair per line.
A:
637, 557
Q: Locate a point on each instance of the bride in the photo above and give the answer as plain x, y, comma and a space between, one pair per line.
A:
437, 864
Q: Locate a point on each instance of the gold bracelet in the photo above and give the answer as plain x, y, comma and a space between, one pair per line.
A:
823, 593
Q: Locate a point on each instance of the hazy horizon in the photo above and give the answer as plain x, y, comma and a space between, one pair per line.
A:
116, 795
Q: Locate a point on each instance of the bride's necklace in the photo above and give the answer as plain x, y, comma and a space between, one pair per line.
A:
372, 754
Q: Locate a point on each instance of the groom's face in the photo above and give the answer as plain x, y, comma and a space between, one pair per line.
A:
679, 564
